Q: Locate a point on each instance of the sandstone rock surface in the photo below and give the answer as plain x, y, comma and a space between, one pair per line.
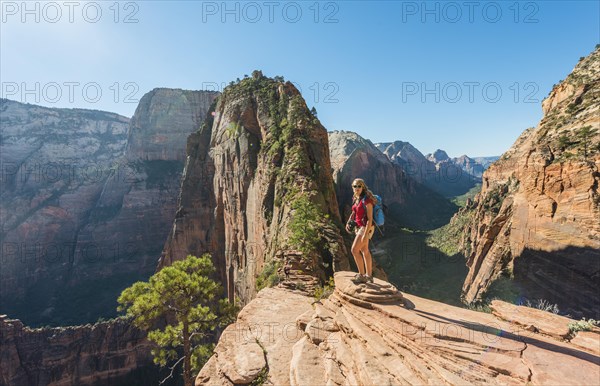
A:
409, 340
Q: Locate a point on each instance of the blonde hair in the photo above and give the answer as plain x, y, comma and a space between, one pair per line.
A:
364, 191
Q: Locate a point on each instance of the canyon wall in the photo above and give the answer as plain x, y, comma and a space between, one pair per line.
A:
537, 218
107, 353
87, 201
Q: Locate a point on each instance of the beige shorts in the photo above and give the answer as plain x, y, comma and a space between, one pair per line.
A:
361, 230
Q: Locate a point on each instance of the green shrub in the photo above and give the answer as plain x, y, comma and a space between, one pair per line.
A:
583, 325
234, 130
480, 307
306, 221
269, 276
324, 291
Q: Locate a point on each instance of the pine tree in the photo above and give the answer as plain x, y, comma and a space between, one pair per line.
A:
586, 133
184, 296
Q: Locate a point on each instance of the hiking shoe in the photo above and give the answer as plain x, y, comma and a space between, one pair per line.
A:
368, 279
358, 279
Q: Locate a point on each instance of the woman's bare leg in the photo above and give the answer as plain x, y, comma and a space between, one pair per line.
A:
368, 259
356, 252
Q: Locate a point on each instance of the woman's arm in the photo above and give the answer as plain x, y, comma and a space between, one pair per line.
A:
369, 215
348, 222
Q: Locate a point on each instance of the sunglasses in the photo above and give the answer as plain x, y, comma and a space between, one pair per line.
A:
356, 186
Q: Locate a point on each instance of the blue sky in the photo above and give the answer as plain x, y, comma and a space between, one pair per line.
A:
467, 77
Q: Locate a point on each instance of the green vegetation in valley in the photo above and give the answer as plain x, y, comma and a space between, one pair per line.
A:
90, 300
179, 307
449, 238
417, 268
461, 200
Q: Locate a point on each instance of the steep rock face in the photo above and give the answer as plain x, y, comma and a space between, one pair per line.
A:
162, 122
73, 237
372, 335
537, 216
258, 155
107, 353
355, 157
408, 202
55, 163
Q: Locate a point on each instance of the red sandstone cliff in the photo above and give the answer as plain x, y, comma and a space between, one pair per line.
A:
259, 151
537, 218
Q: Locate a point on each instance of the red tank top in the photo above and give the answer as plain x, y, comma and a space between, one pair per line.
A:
360, 212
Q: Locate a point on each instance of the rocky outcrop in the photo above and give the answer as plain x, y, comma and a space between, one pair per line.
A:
108, 353
257, 191
372, 335
408, 202
536, 219
87, 202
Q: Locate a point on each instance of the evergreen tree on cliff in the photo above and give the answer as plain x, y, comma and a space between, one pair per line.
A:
184, 296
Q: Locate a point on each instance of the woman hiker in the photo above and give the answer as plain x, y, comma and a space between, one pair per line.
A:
362, 214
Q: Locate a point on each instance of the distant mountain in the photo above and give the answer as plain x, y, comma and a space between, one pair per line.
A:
410, 202
438, 156
486, 161
474, 166
412, 161
444, 175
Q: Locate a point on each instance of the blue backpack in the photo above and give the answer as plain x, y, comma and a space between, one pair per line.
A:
378, 216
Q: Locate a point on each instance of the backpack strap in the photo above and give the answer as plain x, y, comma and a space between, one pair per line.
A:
362, 201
